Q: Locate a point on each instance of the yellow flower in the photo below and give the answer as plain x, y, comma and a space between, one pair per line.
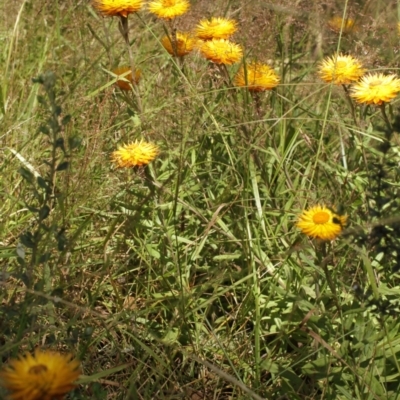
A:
259, 76
183, 46
43, 376
135, 154
321, 223
376, 88
216, 28
335, 24
169, 9
221, 51
125, 76
340, 69
113, 8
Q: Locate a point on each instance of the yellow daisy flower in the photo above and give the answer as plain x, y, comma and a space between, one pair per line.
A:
376, 88
221, 51
135, 154
168, 9
340, 69
114, 8
320, 222
256, 77
42, 376
125, 76
335, 24
183, 46
216, 28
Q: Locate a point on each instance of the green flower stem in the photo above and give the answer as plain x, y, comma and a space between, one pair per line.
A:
351, 104
124, 29
386, 119
322, 258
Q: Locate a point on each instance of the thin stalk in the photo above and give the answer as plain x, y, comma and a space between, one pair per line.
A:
257, 102
351, 104
322, 258
225, 74
124, 29
387, 122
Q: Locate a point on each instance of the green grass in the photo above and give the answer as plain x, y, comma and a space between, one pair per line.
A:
188, 279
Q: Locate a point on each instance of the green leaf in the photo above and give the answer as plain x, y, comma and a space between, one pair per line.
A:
27, 240
20, 250
26, 174
42, 183
44, 212
66, 120
63, 166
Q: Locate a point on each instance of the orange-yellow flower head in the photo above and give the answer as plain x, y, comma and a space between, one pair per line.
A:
221, 51
182, 46
320, 222
135, 154
336, 23
114, 8
257, 77
168, 9
42, 376
376, 88
340, 69
125, 78
216, 28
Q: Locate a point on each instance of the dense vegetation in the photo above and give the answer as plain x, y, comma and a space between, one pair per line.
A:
188, 278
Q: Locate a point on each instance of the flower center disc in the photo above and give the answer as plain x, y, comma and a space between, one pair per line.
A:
37, 369
321, 217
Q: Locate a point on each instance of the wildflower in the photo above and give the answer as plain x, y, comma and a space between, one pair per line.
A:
376, 88
112, 8
340, 69
43, 376
221, 51
336, 23
184, 44
125, 74
256, 77
321, 223
168, 9
216, 28
134, 154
